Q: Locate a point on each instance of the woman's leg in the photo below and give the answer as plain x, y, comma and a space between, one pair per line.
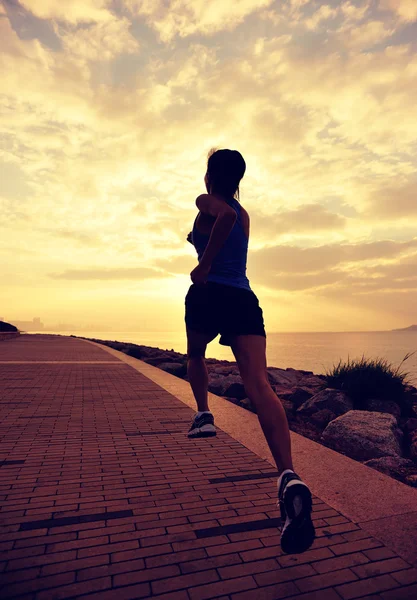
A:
196, 366
250, 354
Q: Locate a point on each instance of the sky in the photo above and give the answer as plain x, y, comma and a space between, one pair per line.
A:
108, 110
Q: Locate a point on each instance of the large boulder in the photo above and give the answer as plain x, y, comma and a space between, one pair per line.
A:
334, 401
177, 369
363, 435
394, 466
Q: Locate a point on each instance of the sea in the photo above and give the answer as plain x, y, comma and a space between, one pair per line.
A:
312, 351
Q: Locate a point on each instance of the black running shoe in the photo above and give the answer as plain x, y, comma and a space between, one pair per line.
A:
202, 426
295, 503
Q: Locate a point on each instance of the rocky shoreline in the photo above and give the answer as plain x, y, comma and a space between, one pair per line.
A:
382, 434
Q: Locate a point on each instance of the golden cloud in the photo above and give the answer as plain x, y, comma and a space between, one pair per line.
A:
188, 17
74, 11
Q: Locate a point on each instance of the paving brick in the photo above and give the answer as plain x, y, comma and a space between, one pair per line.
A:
248, 568
316, 582
366, 586
130, 592
146, 575
184, 581
76, 589
405, 593
141, 552
210, 563
272, 592
405, 577
347, 560
34, 585
287, 560
379, 553
234, 547
44, 559
284, 574
75, 565
380, 567
213, 590
324, 594
366, 544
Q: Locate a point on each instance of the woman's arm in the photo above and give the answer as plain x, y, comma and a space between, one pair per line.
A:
225, 220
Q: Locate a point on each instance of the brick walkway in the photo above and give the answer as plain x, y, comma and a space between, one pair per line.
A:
103, 496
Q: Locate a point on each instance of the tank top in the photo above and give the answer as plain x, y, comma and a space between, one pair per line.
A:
229, 266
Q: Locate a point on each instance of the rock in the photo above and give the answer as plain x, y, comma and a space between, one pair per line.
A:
294, 378
229, 370
236, 390
363, 435
232, 400
394, 466
135, 352
289, 408
411, 480
323, 417
413, 445
157, 360
296, 395
334, 401
177, 369
230, 385
410, 425
409, 401
7, 327
383, 406
246, 403
283, 377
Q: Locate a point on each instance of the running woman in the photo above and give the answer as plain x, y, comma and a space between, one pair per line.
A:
221, 301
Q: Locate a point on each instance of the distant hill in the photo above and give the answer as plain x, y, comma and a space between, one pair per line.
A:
7, 327
411, 328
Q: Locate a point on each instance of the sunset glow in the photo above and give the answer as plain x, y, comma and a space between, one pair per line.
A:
108, 110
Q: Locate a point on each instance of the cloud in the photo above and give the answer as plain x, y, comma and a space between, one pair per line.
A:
323, 262
308, 218
182, 264
394, 201
73, 11
136, 273
189, 17
100, 41
405, 9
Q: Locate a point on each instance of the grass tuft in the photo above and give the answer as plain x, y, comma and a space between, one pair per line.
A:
366, 378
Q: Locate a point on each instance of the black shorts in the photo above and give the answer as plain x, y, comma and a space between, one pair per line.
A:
215, 308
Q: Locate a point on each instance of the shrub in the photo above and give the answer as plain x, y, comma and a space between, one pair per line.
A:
365, 378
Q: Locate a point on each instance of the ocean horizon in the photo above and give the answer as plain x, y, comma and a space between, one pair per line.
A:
310, 351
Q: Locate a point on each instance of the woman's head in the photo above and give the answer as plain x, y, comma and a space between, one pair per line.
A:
225, 169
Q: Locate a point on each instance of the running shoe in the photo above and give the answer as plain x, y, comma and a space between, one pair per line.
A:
202, 426
295, 503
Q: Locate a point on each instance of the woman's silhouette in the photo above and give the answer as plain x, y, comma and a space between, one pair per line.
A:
220, 300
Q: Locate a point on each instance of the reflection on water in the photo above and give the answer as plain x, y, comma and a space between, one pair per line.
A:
310, 351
